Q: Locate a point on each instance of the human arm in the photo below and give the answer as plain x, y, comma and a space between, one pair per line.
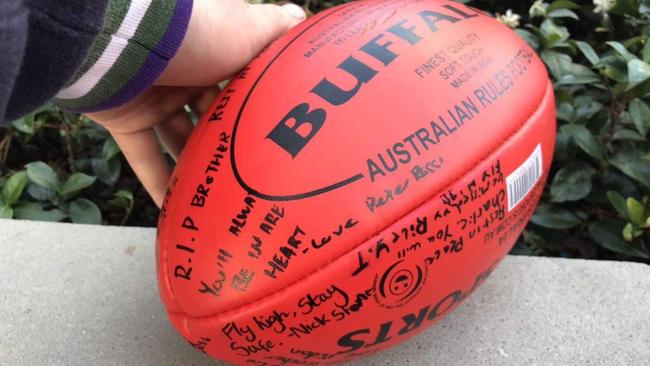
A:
218, 38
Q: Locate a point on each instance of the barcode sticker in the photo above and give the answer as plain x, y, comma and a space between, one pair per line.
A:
523, 179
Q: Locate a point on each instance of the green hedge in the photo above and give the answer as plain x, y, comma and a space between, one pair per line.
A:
61, 167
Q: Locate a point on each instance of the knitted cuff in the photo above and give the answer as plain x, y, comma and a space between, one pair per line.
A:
139, 39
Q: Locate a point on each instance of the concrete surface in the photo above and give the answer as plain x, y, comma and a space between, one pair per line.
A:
86, 295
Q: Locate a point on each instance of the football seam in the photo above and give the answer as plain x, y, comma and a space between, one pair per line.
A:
544, 101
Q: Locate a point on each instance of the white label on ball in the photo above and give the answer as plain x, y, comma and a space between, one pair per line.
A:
523, 179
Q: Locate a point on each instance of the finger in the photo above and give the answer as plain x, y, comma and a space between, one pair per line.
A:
146, 111
202, 102
223, 36
142, 151
174, 132
268, 22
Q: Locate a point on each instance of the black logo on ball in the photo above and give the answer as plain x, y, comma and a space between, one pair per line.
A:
399, 284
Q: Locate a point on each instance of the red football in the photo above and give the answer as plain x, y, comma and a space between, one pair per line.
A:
355, 183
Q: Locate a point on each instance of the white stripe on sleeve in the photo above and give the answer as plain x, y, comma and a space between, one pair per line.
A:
119, 41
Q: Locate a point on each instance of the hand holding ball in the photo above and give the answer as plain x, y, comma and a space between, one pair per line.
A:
355, 183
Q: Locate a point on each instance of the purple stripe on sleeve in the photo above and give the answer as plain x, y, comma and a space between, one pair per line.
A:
155, 63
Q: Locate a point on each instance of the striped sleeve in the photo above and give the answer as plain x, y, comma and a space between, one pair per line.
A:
139, 39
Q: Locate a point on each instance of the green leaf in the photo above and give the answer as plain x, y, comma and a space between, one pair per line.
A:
564, 148
625, 134
586, 108
41, 174
554, 217
646, 51
627, 55
13, 188
618, 201
566, 112
616, 72
83, 211
529, 37
25, 124
637, 72
633, 165
555, 62
624, 7
124, 194
585, 139
575, 74
562, 4
615, 180
123, 199
40, 193
34, 211
107, 171
553, 33
641, 90
588, 52
628, 232
640, 114
635, 211
606, 234
6, 212
110, 149
536, 243
77, 182
634, 41
563, 13
572, 182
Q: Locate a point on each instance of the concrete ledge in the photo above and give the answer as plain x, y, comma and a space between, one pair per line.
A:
87, 295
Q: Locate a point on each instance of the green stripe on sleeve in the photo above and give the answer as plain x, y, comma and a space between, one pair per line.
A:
148, 35
116, 13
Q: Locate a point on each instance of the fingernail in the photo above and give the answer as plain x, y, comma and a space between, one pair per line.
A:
295, 11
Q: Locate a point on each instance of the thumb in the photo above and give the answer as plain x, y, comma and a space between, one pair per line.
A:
223, 36
269, 21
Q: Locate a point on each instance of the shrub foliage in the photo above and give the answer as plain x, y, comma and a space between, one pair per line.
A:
58, 166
